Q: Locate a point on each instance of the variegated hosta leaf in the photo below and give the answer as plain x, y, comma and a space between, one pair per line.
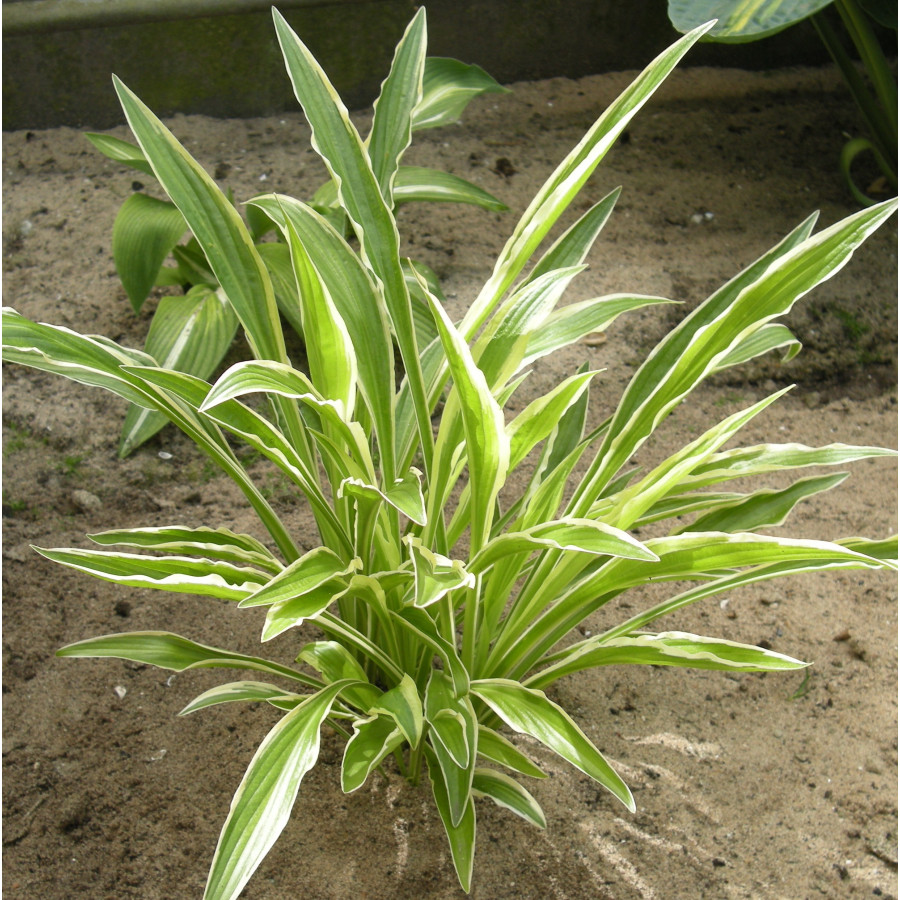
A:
435, 574
180, 574
571, 323
372, 740
404, 705
216, 225
509, 794
579, 535
416, 183
762, 509
496, 748
448, 86
90, 360
560, 189
335, 662
487, 443
764, 458
252, 691
393, 110
218, 543
461, 833
530, 712
329, 350
453, 735
312, 570
171, 651
669, 648
263, 802
742, 20
405, 494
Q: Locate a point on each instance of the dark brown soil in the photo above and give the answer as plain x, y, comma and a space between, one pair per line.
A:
765, 787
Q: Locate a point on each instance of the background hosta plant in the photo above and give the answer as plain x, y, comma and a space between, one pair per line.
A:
459, 553
874, 87
193, 332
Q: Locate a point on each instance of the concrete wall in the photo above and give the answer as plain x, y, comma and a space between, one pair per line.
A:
220, 57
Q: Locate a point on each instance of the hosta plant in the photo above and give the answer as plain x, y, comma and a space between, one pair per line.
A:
461, 548
192, 332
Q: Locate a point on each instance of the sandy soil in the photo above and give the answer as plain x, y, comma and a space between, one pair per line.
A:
747, 787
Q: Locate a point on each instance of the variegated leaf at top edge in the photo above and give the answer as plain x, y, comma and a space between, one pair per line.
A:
218, 543
356, 297
392, 114
372, 740
460, 835
567, 534
435, 574
262, 805
574, 321
487, 444
496, 748
668, 648
690, 352
215, 224
447, 87
568, 178
189, 334
404, 705
89, 360
120, 151
508, 793
338, 143
329, 350
764, 508
252, 691
171, 651
313, 569
742, 20
180, 574
405, 494
530, 712
144, 233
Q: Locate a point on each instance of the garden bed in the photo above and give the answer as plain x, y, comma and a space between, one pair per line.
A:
755, 786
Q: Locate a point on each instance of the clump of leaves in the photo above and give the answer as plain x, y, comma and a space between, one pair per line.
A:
193, 331
447, 605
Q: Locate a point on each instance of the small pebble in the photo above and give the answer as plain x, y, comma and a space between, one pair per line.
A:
86, 501
120, 691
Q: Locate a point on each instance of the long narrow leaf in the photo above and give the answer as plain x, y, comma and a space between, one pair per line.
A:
263, 802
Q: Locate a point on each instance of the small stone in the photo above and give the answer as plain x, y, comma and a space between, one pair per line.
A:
86, 501
874, 766
120, 691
